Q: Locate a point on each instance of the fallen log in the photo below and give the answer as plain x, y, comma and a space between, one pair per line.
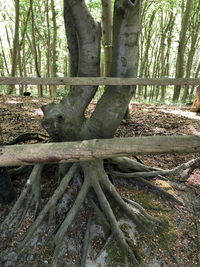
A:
96, 149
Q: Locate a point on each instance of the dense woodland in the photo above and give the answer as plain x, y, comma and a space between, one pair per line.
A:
33, 44
81, 196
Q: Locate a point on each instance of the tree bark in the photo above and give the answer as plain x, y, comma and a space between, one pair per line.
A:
15, 45
53, 48
102, 81
96, 149
35, 50
107, 35
124, 64
181, 49
87, 43
194, 36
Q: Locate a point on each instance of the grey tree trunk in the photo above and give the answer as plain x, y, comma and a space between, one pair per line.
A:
181, 48
15, 46
35, 49
67, 122
53, 48
107, 35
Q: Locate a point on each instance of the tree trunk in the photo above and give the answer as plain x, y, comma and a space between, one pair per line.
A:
4, 57
53, 49
180, 64
69, 114
48, 43
107, 35
194, 34
66, 121
15, 46
197, 71
35, 51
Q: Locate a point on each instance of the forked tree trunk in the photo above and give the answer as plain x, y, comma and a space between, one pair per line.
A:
66, 122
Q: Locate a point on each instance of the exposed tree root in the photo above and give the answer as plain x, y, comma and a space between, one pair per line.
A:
148, 172
72, 213
122, 204
114, 225
57, 194
32, 184
142, 210
102, 216
127, 164
16, 172
27, 137
98, 178
151, 186
86, 239
96, 183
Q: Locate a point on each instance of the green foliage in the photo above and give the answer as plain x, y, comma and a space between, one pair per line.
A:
60, 93
161, 23
95, 8
3, 89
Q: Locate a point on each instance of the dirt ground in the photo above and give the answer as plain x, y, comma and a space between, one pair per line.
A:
179, 244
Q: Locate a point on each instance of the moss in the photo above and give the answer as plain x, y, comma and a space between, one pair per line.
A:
165, 235
116, 257
147, 199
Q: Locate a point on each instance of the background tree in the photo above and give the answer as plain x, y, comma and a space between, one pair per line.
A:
158, 43
194, 27
107, 35
15, 51
181, 47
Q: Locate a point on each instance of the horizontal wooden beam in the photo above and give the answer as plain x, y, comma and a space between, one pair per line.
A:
96, 149
98, 81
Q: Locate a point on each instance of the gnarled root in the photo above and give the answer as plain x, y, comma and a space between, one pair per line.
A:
95, 183
133, 168
86, 239
135, 172
52, 201
100, 182
17, 214
138, 178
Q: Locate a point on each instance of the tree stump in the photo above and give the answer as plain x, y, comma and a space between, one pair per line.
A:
196, 104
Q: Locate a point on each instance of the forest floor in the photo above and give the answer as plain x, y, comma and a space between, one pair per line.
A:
179, 243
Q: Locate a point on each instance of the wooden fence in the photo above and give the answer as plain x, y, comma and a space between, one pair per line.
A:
96, 149
98, 81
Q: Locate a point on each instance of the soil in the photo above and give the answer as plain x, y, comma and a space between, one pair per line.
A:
178, 244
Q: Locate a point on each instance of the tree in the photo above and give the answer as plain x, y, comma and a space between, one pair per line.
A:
15, 45
34, 48
107, 34
66, 122
194, 27
181, 48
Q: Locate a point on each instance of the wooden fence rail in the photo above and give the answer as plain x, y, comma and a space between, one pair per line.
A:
98, 81
96, 149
